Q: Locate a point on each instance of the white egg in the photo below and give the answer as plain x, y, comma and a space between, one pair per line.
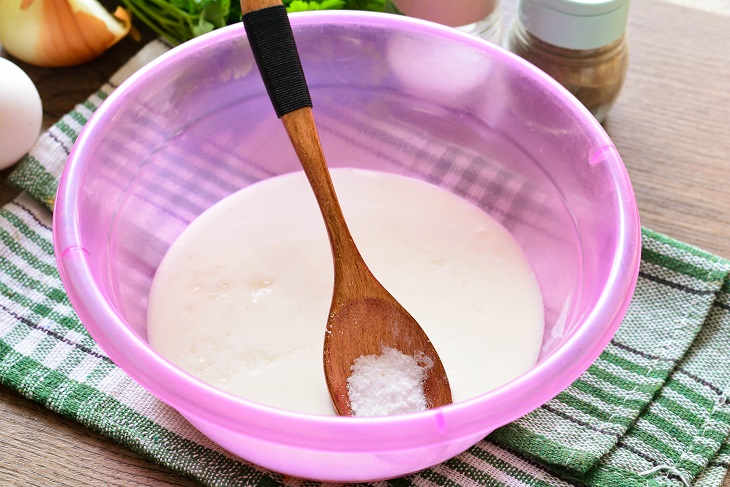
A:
21, 113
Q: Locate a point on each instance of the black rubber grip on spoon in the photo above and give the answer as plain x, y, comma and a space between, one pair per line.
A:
272, 42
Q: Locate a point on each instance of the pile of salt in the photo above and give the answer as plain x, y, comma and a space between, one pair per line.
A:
391, 383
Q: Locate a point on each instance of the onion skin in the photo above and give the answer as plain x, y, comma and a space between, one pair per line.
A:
56, 33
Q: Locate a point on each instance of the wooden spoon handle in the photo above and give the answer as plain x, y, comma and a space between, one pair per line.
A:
302, 131
252, 5
272, 42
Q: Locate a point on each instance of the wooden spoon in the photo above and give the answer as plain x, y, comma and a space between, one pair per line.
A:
364, 317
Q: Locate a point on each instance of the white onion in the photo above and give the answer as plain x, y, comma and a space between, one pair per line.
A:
59, 32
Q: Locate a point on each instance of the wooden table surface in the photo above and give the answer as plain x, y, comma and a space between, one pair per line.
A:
671, 126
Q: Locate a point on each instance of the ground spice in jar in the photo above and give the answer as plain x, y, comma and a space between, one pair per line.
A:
581, 44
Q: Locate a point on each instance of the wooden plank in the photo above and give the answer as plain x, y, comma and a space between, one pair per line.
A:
672, 120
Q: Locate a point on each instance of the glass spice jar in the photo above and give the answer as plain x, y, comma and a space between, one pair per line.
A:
481, 18
580, 43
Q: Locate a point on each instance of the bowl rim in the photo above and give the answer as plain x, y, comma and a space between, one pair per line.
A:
472, 418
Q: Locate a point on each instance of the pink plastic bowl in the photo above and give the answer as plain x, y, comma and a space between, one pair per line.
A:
392, 94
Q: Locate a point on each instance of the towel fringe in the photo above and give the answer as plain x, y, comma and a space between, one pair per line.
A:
669, 469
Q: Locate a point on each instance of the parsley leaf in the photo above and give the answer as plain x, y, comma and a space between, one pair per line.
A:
181, 20
301, 5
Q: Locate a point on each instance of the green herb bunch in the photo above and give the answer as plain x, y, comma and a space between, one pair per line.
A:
181, 20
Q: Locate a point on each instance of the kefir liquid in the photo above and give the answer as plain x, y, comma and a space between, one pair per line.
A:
241, 298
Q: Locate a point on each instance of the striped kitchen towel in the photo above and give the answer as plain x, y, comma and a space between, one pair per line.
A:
652, 410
